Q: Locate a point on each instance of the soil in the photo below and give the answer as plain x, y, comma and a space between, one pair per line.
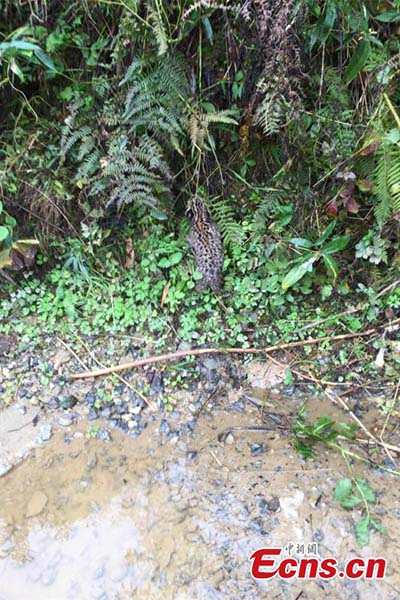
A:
173, 509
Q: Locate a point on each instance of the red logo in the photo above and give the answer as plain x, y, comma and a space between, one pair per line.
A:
268, 563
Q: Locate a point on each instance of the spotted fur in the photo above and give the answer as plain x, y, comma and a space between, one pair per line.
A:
205, 240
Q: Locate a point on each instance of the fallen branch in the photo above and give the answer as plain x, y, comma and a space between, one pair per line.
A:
200, 351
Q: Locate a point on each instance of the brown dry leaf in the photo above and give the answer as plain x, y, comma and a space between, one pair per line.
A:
332, 208
129, 254
165, 293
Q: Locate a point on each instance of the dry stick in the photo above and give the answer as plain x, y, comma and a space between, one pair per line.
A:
200, 351
387, 421
339, 400
124, 381
74, 354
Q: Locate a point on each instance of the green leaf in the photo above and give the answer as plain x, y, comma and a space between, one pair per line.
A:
342, 489
44, 59
336, 244
393, 136
377, 525
208, 29
351, 501
391, 16
362, 531
331, 266
158, 214
17, 45
4, 233
175, 258
302, 242
15, 69
288, 377
5, 260
164, 263
328, 231
298, 272
357, 61
304, 449
365, 490
1, 207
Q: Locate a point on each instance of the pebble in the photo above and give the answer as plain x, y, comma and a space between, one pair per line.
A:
103, 435
45, 433
273, 505
92, 461
36, 504
229, 439
164, 428
258, 449
4, 469
65, 421
92, 414
210, 364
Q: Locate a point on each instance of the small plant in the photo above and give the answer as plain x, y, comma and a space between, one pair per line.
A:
13, 252
313, 251
372, 248
355, 492
325, 430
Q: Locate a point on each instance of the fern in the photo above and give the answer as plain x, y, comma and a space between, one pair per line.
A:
122, 155
199, 127
387, 181
225, 217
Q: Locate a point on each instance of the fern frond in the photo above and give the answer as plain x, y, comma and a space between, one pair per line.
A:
387, 181
225, 217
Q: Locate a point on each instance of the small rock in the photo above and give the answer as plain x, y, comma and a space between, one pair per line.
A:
210, 364
184, 346
61, 357
68, 402
273, 505
92, 414
103, 435
4, 469
258, 449
132, 424
164, 427
92, 461
65, 421
36, 504
45, 433
229, 439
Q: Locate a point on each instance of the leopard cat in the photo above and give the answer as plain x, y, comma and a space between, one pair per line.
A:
205, 240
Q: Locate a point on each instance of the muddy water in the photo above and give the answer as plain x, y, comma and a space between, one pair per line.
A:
177, 518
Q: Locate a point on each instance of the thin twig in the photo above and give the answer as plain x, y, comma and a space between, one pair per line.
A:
121, 379
199, 351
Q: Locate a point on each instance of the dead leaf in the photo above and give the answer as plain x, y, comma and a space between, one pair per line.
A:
369, 148
165, 293
332, 208
129, 254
